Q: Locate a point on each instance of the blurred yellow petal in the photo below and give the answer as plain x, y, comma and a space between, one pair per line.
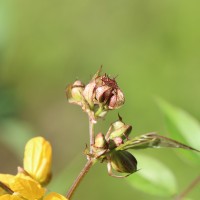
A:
26, 187
10, 197
6, 179
37, 159
55, 196
2, 191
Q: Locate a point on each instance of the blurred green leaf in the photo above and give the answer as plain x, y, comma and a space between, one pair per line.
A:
182, 127
153, 177
8, 102
15, 133
64, 179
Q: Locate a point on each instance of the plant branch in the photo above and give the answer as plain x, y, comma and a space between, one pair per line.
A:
91, 132
189, 188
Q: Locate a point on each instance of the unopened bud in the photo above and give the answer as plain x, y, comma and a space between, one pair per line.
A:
119, 129
96, 98
117, 100
123, 161
100, 141
74, 92
103, 93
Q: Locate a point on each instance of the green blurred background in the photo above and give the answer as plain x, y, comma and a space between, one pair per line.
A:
153, 47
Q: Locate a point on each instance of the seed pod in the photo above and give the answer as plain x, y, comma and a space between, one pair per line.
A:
123, 161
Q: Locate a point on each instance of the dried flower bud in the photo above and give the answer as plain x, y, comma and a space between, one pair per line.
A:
103, 90
89, 93
74, 92
103, 93
123, 161
97, 97
119, 129
117, 100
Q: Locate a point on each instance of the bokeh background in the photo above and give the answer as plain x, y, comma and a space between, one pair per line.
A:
153, 47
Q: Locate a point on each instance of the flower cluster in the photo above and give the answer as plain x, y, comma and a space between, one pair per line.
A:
97, 97
36, 172
105, 149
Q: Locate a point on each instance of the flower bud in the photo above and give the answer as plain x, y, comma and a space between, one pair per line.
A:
103, 93
74, 92
123, 161
119, 129
100, 141
99, 96
100, 145
117, 100
89, 93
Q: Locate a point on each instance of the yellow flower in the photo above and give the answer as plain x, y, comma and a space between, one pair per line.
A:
54, 196
10, 197
26, 185
5, 180
37, 159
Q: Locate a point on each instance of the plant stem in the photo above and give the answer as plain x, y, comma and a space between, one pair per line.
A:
189, 188
77, 181
91, 132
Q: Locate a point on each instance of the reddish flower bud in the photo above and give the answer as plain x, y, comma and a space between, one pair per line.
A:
117, 100
103, 93
97, 97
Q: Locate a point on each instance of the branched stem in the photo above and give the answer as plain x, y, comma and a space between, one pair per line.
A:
189, 188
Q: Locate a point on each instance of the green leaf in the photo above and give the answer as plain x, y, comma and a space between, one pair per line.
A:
153, 177
182, 127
